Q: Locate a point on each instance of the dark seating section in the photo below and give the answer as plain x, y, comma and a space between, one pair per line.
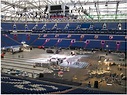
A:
61, 81
88, 91
16, 85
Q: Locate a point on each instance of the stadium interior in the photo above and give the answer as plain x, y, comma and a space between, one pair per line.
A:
63, 46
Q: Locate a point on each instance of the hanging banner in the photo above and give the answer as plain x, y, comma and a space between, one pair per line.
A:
69, 35
15, 36
126, 37
86, 43
72, 41
5, 35
58, 41
28, 36
81, 37
45, 35
46, 40
102, 43
110, 37
96, 37
117, 45
57, 35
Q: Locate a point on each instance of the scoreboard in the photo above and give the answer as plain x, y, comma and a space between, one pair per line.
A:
52, 9
56, 9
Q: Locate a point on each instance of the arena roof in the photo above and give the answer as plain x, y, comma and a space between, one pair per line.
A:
30, 10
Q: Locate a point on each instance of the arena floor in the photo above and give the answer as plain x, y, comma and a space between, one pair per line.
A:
96, 69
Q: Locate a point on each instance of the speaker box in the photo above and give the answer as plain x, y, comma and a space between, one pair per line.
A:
95, 84
41, 75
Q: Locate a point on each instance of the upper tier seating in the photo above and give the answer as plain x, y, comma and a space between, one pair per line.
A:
70, 26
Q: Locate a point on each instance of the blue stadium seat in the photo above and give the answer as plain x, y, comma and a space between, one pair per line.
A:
14, 85
9, 40
7, 26
85, 25
112, 26
61, 25
20, 26
38, 42
72, 26
51, 43
64, 43
31, 26
49, 25
97, 26
39, 26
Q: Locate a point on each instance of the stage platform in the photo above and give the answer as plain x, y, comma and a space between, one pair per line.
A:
67, 60
75, 74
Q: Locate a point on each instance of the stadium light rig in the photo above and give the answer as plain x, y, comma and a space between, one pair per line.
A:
86, 13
